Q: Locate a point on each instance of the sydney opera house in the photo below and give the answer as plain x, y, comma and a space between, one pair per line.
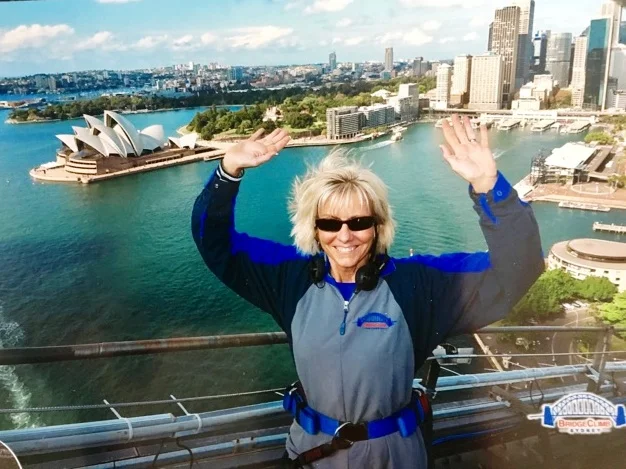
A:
114, 144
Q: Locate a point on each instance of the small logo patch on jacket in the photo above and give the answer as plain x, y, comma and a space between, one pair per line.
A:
375, 321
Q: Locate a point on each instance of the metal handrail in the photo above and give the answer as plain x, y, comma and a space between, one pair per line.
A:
58, 353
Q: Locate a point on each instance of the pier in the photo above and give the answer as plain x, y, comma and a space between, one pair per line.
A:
578, 127
583, 206
509, 124
612, 228
542, 125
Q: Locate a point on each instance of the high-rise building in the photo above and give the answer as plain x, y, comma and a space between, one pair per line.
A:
490, 38
540, 46
504, 42
41, 82
444, 83
417, 66
598, 51
558, 56
389, 59
579, 70
525, 37
332, 61
459, 94
486, 82
613, 11
52, 83
343, 122
235, 74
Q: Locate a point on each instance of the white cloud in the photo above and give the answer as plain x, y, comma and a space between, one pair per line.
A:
470, 36
416, 37
443, 3
208, 38
336, 40
323, 43
148, 42
445, 40
353, 41
253, 38
344, 23
431, 25
291, 5
413, 37
34, 35
327, 6
480, 20
100, 40
183, 42
117, 1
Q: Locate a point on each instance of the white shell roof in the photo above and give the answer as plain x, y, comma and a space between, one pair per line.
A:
92, 121
83, 135
111, 118
115, 136
69, 141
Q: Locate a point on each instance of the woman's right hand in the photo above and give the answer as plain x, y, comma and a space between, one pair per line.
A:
254, 151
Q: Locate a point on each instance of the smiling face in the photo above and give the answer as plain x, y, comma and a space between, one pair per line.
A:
346, 250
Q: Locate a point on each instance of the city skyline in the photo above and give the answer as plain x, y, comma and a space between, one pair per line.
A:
38, 37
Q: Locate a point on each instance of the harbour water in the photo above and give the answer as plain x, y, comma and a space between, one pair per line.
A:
115, 261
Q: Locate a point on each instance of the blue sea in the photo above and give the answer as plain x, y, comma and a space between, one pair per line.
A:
115, 261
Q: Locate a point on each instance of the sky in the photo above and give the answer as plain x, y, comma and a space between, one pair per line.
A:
53, 36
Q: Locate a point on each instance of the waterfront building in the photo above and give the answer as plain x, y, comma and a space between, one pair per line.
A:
389, 59
504, 42
41, 82
343, 122
558, 55
459, 93
570, 163
114, 144
52, 83
597, 64
332, 61
528, 99
379, 114
444, 83
579, 70
525, 41
486, 82
582, 258
618, 100
544, 82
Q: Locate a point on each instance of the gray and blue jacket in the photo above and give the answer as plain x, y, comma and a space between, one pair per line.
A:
367, 373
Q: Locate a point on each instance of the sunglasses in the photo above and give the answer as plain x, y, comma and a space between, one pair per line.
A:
354, 224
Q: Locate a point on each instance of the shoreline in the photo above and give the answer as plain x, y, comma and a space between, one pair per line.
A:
295, 143
141, 111
59, 174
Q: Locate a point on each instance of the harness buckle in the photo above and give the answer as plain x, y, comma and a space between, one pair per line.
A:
351, 432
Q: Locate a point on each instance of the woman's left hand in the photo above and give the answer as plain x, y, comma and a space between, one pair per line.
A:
469, 157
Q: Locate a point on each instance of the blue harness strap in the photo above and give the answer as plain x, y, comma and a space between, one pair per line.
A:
405, 421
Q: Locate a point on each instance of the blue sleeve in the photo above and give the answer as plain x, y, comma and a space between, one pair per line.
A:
263, 272
462, 292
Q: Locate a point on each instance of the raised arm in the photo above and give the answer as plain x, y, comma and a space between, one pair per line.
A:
255, 269
470, 291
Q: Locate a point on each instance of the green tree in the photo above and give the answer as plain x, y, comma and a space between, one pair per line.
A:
601, 137
615, 312
596, 289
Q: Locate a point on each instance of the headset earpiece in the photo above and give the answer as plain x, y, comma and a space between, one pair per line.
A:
366, 277
317, 269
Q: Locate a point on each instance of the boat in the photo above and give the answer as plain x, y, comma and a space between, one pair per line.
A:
396, 134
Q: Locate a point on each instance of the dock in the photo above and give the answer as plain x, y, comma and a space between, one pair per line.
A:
524, 187
542, 125
578, 127
509, 124
583, 206
612, 228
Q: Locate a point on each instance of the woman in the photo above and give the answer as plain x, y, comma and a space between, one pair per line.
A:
360, 323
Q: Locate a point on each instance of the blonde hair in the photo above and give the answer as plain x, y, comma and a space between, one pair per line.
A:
337, 177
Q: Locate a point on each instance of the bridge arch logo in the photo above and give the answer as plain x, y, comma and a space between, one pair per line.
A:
582, 413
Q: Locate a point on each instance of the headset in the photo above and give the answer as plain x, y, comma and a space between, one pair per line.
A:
366, 277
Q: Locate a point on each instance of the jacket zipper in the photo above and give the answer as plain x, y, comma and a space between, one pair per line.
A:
346, 304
